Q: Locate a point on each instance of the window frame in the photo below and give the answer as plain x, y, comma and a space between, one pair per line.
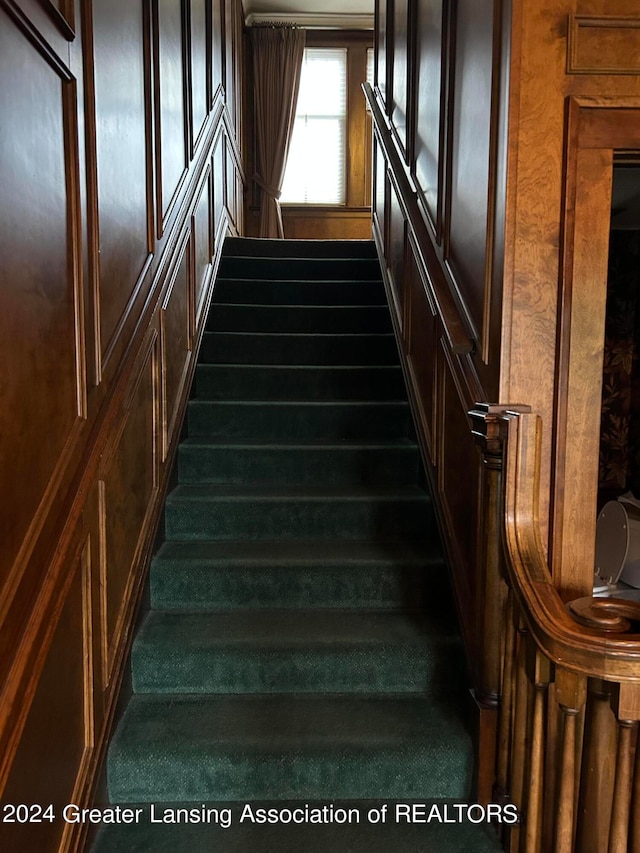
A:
339, 118
358, 133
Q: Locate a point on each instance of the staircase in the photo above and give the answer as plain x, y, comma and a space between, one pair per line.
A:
300, 644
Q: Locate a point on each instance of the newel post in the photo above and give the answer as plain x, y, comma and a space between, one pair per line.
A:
489, 424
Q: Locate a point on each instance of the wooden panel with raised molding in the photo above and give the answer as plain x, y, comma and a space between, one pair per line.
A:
378, 199
42, 317
603, 45
217, 50
435, 228
458, 480
494, 176
431, 80
219, 182
540, 249
200, 68
175, 342
107, 275
383, 53
396, 254
170, 106
403, 34
467, 224
202, 242
128, 484
58, 737
309, 223
422, 346
123, 206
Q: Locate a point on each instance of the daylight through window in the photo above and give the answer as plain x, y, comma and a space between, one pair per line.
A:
315, 172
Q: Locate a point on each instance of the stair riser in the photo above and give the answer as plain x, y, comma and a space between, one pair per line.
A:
304, 465
307, 319
194, 586
282, 269
358, 773
255, 247
252, 382
258, 292
293, 422
240, 348
290, 519
352, 670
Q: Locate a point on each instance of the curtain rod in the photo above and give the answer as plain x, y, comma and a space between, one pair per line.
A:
312, 21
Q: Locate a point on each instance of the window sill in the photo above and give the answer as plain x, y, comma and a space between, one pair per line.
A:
335, 210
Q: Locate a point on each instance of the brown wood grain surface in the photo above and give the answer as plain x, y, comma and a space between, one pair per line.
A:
112, 216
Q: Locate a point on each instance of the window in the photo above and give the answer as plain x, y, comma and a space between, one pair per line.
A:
315, 172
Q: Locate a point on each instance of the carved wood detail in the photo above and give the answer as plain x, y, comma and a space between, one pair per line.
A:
603, 45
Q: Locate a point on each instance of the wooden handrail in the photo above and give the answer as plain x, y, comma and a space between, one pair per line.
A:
568, 706
455, 332
588, 651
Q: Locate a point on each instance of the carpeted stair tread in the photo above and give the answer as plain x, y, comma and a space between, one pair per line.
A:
261, 512
258, 382
294, 420
352, 319
243, 836
283, 268
355, 493
304, 746
337, 574
328, 463
301, 642
272, 651
265, 292
275, 629
314, 552
262, 247
275, 348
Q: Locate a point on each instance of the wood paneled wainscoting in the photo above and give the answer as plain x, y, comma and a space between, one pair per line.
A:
121, 174
496, 126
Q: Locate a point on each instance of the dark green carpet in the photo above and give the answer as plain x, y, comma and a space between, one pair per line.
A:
301, 644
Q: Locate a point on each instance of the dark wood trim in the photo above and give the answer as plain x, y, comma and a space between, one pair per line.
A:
37, 39
94, 354
457, 338
63, 19
494, 139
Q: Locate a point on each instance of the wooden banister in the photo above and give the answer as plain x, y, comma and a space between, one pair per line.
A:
590, 650
569, 684
457, 336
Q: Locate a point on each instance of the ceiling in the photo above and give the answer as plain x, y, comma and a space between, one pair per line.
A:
342, 14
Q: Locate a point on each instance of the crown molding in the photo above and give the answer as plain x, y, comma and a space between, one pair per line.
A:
312, 20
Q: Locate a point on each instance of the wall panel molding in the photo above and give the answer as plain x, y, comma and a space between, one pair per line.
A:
62, 14
36, 24
199, 14
202, 245
119, 185
603, 45
430, 93
92, 296
175, 339
130, 467
50, 154
21, 685
170, 106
